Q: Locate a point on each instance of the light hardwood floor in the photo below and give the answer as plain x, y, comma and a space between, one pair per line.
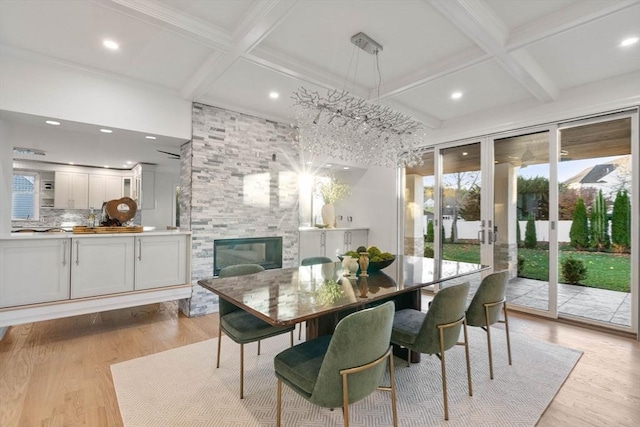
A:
57, 373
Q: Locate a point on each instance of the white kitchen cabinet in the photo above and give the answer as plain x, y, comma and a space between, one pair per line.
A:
71, 190
144, 186
34, 271
103, 188
330, 243
160, 261
101, 266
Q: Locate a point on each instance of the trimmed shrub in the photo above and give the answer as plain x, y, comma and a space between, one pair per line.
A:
621, 222
430, 235
530, 238
579, 232
428, 251
573, 270
518, 234
520, 264
599, 223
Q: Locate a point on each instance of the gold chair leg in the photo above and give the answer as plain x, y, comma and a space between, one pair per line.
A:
506, 328
488, 331
444, 375
300, 331
278, 403
408, 357
258, 347
466, 353
219, 343
291, 340
345, 400
242, 371
392, 378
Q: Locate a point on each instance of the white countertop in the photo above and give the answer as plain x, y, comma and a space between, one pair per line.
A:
69, 235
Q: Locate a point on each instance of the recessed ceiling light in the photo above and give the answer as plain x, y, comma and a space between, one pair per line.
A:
629, 41
150, 137
106, 166
129, 162
456, 95
106, 130
71, 163
110, 44
274, 95
464, 153
52, 123
346, 168
327, 165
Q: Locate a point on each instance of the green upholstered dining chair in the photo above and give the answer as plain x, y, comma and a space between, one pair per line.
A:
241, 326
339, 369
486, 304
307, 262
435, 331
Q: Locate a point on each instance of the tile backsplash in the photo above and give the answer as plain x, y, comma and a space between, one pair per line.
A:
61, 218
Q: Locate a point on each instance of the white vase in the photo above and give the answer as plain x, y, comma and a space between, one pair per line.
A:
328, 215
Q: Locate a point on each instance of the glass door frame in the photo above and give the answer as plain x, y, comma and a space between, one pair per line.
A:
634, 258
488, 210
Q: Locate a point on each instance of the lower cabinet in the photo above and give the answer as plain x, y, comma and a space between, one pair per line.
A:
160, 261
101, 266
34, 271
330, 243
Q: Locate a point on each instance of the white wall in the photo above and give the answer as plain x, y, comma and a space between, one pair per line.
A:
373, 205
32, 86
6, 176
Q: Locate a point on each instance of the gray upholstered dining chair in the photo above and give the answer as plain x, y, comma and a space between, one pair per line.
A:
484, 309
241, 326
307, 262
335, 370
435, 331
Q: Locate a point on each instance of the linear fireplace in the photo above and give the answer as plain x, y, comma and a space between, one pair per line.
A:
266, 251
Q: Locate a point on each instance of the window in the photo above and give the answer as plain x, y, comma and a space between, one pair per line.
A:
24, 201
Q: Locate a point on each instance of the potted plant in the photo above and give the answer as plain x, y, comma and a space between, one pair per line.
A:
331, 192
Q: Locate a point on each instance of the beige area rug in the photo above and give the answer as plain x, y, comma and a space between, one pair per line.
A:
182, 387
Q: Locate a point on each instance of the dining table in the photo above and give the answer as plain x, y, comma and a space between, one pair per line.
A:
322, 294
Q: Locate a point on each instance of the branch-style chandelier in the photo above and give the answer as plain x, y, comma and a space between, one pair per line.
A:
341, 125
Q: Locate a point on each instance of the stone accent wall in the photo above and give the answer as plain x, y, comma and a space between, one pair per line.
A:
239, 178
505, 258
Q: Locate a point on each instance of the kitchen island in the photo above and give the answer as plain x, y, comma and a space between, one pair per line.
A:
52, 275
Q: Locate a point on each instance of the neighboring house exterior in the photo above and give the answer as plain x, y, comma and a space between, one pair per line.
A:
609, 177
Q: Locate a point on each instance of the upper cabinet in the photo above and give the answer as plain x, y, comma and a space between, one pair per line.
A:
71, 191
103, 188
144, 186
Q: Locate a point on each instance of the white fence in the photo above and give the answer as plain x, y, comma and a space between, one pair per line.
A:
469, 229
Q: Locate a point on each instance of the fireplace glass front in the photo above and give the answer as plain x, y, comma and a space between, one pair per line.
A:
266, 251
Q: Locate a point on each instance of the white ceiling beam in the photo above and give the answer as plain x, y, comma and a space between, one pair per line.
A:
258, 23
478, 22
157, 14
566, 19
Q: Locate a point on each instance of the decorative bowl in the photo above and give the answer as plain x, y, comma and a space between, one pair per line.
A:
375, 265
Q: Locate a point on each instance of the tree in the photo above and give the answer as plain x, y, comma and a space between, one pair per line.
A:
568, 197
599, 223
455, 191
470, 210
533, 197
530, 238
429, 236
621, 222
579, 232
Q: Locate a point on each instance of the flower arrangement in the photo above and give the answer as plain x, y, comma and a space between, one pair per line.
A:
333, 190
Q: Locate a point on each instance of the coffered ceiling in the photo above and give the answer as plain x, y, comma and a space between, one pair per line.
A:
233, 53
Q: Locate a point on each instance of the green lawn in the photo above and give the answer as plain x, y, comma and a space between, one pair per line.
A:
604, 270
